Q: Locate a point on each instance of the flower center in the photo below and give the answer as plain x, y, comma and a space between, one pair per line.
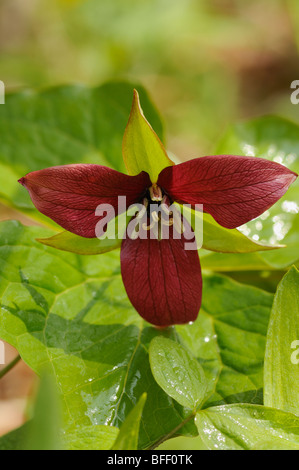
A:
157, 212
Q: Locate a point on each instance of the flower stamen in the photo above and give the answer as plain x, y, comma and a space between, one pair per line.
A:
148, 227
155, 192
155, 216
178, 223
168, 222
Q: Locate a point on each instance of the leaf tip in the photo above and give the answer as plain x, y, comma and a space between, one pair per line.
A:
44, 241
136, 106
143, 398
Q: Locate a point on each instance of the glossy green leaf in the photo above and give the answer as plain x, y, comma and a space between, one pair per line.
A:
214, 237
281, 374
127, 438
177, 372
229, 339
246, 427
63, 125
71, 313
142, 148
276, 139
90, 438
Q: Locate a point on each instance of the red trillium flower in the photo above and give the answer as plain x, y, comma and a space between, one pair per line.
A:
162, 279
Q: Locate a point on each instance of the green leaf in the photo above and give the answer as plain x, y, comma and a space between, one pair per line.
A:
71, 313
183, 443
177, 372
63, 125
90, 438
15, 439
67, 241
42, 432
276, 139
83, 438
228, 337
281, 374
247, 427
142, 148
276, 444
235, 262
44, 429
127, 438
214, 237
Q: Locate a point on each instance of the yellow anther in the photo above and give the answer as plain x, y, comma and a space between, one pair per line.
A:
148, 227
168, 222
155, 216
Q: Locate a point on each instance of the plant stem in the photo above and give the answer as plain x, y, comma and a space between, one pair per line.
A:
172, 433
6, 369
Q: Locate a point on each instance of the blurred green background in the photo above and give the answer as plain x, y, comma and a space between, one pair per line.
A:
206, 63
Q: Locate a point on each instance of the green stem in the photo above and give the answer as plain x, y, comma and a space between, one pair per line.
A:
172, 433
6, 369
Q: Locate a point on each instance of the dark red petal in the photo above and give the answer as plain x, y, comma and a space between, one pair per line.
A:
70, 194
162, 279
232, 189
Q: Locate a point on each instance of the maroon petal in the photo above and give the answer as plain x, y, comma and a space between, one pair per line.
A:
70, 194
231, 188
162, 279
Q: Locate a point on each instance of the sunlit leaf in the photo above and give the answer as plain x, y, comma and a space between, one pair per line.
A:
90, 438
246, 427
183, 443
281, 374
177, 372
127, 438
276, 139
71, 312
